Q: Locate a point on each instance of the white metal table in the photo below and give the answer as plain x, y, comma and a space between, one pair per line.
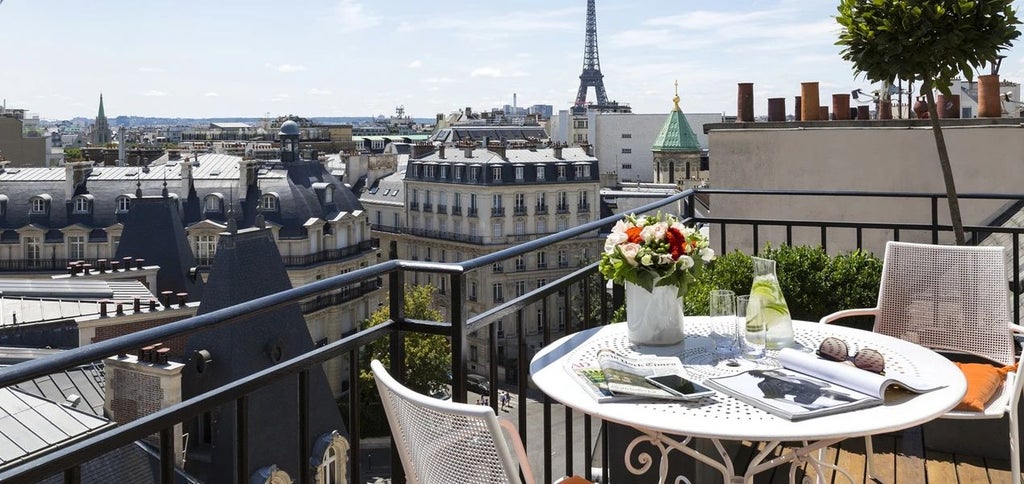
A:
722, 418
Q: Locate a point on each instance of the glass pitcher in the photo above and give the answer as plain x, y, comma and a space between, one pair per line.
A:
775, 310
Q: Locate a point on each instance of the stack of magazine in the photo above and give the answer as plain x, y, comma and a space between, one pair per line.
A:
617, 377
808, 386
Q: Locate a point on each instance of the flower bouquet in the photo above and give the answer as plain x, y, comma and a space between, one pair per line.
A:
655, 257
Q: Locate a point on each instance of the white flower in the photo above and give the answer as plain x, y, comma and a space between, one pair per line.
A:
614, 239
629, 251
685, 262
665, 259
654, 232
646, 259
707, 254
621, 226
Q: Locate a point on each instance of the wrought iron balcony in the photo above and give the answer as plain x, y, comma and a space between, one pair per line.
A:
562, 208
540, 209
497, 211
576, 291
519, 210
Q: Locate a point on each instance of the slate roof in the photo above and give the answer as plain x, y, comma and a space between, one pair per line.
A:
37, 300
85, 381
152, 231
515, 155
210, 174
675, 134
458, 133
386, 191
30, 424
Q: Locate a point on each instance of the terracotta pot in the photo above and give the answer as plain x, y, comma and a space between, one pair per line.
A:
921, 109
989, 105
841, 106
777, 109
745, 102
885, 110
949, 106
810, 105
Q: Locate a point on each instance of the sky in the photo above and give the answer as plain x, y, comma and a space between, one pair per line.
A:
316, 58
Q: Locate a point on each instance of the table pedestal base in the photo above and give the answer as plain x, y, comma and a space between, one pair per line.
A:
808, 454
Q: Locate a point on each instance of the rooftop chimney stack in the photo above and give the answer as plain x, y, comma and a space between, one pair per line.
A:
140, 385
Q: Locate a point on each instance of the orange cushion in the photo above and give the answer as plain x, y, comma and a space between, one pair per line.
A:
983, 382
574, 480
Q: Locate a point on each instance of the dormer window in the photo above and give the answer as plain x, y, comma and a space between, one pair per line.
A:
123, 203
329, 194
212, 203
3, 205
82, 204
325, 192
268, 202
40, 204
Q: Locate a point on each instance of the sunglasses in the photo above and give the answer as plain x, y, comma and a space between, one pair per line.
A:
835, 349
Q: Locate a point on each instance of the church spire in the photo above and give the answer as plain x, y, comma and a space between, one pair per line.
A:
101, 114
101, 135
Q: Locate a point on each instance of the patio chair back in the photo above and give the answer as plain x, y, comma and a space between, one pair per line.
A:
440, 441
951, 298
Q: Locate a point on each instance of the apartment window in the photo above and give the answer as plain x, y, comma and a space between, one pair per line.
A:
211, 203
542, 260
329, 469
542, 226
430, 253
474, 353
474, 229
541, 200
38, 205
444, 257
520, 263
520, 201
442, 285
114, 241
33, 248
473, 291
206, 248
329, 195
426, 197
563, 224
580, 123
520, 227
627, 135
496, 173
498, 229
563, 259
472, 201
563, 200
268, 203
81, 205
458, 173
583, 199
76, 247
581, 138
520, 288
561, 172
520, 173
627, 166
627, 151
415, 198
474, 173
124, 203
541, 282
498, 267
496, 200
457, 200
561, 321
444, 172
499, 292
540, 173
540, 319
442, 226
396, 217
442, 199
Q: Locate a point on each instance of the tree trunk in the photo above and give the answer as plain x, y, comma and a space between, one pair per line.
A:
947, 170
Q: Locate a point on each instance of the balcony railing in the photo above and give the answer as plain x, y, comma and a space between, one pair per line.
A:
472, 212
519, 210
456, 210
562, 208
414, 205
442, 208
427, 207
579, 289
540, 209
497, 211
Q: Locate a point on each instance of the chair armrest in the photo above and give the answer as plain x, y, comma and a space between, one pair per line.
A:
517, 443
1016, 328
846, 313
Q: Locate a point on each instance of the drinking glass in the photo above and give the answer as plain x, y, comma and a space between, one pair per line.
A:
755, 332
723, 321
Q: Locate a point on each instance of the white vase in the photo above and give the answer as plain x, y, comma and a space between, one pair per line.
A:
654, 318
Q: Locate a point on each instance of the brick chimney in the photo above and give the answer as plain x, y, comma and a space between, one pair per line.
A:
142, 384
75, 174
498, 148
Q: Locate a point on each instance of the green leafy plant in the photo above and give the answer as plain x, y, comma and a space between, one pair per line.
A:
814, 284
930, 41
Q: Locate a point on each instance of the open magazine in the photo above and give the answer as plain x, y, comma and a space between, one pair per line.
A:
617, 377
808, 386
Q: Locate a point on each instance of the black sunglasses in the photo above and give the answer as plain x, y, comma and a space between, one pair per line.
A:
835, 349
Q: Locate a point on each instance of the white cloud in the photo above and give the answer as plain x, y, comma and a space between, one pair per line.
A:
154, 93
352, 16
320, 92
285, 68
438, 80
211, 94
415, 64
495, 72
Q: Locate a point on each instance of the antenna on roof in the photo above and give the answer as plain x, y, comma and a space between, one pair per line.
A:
138, 185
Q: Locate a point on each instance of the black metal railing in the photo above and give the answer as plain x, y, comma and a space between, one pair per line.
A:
574, 291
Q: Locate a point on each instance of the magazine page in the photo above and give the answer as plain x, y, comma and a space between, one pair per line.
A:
791, 394
628, 376
850, 376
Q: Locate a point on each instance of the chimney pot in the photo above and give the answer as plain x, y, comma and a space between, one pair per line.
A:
127, 264
136, 305
181, 299
86, 268
71, 270
167, 298
139, 263
120, 309
161, 355
114, 265
103, 308
152, 304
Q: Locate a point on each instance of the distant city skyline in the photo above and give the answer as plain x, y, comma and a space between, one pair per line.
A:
325, 58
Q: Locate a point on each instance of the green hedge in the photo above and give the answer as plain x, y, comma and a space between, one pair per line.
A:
814, 283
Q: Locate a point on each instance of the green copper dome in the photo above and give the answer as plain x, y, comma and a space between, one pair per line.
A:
676, 134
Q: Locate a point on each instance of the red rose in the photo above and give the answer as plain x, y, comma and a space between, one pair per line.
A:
676, 242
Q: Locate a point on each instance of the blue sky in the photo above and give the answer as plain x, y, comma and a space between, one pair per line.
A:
213, 58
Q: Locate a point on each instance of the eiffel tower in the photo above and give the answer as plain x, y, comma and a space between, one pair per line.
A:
591, 75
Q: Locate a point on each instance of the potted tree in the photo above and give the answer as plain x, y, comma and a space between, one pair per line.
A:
928, 40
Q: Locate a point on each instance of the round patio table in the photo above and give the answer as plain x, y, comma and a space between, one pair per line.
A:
722, 418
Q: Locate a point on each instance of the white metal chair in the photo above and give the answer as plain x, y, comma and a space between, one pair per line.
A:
954, 299
440, 441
